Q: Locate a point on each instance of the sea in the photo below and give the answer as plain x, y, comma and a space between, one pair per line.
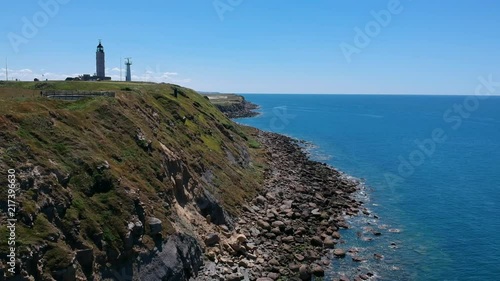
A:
429, 166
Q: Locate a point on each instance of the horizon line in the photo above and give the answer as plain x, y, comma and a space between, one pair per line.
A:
365, 94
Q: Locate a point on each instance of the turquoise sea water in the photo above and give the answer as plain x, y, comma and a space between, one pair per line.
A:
431, 165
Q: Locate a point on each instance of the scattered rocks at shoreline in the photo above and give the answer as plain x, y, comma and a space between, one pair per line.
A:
289, 231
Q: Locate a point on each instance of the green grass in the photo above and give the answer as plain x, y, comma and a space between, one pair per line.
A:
253, 143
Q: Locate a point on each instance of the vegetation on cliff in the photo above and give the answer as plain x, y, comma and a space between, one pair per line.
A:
104, 182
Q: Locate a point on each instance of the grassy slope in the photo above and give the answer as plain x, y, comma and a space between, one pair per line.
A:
75, 138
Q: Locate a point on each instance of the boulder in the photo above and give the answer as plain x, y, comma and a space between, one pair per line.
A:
236, 242
304, 273
278, 224
155, 225
318, 271
179, 260
329, 242
273, 276
234, 277
212, 239
263, 224
85, 258
316, 241
339, 253
260, 200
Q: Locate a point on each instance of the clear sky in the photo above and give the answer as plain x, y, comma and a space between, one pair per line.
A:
247, 46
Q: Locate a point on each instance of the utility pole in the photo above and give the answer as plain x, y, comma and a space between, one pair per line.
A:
6, 70
120, 69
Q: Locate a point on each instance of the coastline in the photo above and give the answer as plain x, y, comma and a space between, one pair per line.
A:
291, 230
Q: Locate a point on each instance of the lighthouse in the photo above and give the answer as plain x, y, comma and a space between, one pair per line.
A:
100, 62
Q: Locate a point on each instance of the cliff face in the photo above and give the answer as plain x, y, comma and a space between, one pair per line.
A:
233, 106
119, 188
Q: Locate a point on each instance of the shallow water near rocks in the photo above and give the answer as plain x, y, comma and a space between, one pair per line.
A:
440, 222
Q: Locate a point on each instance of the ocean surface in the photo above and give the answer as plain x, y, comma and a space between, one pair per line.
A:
431, 170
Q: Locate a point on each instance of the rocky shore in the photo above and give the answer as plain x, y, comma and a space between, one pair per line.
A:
291, 230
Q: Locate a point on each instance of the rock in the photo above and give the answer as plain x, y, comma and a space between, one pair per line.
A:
103, 166
250, 246
212, 239
329, 242
244, 263
339, 253
278, 224
270, 235
137, 228
316, 241
236, 242
274, 262
234, 277
180, 259
226, 260
211, 255
299, 257
263, 224
264, 279
67, 274
254, 232
287, 239
85, 258
294, 267
316, 213
270, 196
155, 225
273, 275
260, 200
276, 231
312, 255
318, 271
128, 241
364, 277
304, 273
357, 258
241, 238
336, 235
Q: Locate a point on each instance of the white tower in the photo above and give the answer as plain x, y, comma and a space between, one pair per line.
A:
128, 77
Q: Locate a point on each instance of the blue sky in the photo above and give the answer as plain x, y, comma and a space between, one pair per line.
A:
246, 46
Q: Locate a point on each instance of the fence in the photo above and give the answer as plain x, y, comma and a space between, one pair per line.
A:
75, 95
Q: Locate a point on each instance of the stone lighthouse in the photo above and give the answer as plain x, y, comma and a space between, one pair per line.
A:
100, 62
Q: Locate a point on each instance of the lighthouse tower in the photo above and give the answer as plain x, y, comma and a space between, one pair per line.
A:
100, 62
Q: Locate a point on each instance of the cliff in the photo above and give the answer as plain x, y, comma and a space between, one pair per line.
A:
119, 188
233, 106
